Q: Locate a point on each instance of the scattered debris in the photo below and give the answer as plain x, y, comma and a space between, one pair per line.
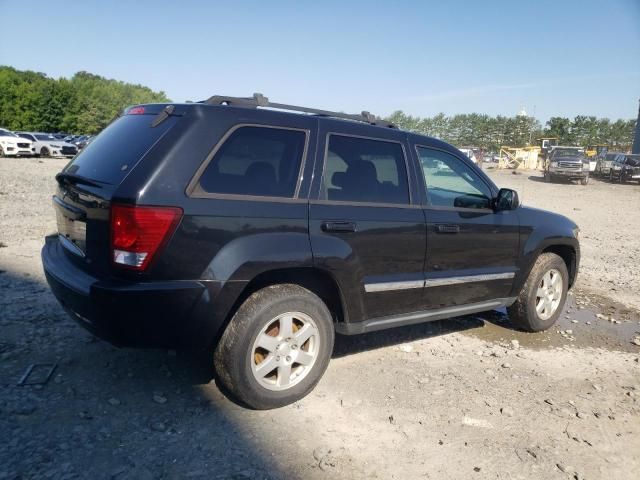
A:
159, 398
507, 411
158, 426
25, 379
476, 422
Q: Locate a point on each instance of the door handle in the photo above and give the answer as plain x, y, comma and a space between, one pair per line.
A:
344, 227
448, 228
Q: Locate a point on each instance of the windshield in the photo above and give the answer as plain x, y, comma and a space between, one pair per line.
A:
5, 133
45, 137
567, 152
633, 160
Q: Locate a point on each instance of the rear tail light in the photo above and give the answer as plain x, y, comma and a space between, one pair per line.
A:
136, 111
137, 233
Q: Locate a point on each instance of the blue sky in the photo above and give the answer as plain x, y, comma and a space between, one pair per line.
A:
563, 57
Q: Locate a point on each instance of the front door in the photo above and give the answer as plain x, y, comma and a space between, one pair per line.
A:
365, 230
471, 249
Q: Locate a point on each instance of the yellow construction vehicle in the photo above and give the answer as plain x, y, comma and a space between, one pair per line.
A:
597, 150
524, 157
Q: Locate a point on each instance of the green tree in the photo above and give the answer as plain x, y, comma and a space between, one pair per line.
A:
86, 103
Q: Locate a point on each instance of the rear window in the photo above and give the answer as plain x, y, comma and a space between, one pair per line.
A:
365, 170
118, 148
256, 161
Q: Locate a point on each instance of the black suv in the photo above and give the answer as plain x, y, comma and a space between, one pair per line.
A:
234, 226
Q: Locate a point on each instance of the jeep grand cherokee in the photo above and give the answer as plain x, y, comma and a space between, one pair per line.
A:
253, 232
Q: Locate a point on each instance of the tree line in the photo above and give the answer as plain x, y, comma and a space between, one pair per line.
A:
490, 133
83, 104
86, 103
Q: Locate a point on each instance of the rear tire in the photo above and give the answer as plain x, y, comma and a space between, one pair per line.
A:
270, 329
1, 152
543, 295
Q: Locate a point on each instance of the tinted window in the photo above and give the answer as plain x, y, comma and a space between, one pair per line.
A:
363, 170
112, 154
256, 161
451, 183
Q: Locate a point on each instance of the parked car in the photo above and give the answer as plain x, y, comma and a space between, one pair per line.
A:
12, 145
625, 168
47, 145
81, 141
603, 168
268, 231
470, 154
84, 142
568, 163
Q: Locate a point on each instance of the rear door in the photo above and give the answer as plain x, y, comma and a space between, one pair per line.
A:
366, 226
472, 250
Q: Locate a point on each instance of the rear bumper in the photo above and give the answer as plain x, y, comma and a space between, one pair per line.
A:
170, 314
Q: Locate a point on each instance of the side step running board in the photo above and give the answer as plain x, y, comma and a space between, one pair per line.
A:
420, 317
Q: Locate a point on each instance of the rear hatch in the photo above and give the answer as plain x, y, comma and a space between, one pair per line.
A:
88, 183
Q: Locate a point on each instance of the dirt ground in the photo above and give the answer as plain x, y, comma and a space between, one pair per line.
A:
466, 398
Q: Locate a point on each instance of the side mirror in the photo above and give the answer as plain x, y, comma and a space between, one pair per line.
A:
507, 199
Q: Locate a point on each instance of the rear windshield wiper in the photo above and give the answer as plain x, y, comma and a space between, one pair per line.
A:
72, 177
163, 115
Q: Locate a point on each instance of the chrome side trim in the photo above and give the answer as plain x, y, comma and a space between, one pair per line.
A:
388, 286
438, 282
435, 282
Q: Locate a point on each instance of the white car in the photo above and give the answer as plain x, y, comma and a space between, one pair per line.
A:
469, 153
11, 145
46, 145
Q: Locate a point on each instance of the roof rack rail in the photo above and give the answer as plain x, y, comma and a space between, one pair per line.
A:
259, 100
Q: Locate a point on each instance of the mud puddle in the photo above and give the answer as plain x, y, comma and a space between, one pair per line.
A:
588, 320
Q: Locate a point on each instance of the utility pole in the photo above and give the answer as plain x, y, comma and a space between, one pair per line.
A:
636, 136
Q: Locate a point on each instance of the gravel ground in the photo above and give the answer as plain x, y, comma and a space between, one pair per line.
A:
466, 398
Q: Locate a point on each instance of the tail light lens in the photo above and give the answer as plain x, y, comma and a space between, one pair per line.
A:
137, 233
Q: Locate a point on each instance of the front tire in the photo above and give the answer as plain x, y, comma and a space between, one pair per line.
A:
44, 152
543, 295
276, 347
584, 181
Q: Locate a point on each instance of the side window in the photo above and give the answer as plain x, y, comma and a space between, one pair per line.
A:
256, 161
451, 183
364, 170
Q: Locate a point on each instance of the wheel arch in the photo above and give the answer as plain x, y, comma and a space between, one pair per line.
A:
569, 255
316, 280
313, 279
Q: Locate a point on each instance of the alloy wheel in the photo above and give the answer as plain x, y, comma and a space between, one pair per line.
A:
549, 294
285, 351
